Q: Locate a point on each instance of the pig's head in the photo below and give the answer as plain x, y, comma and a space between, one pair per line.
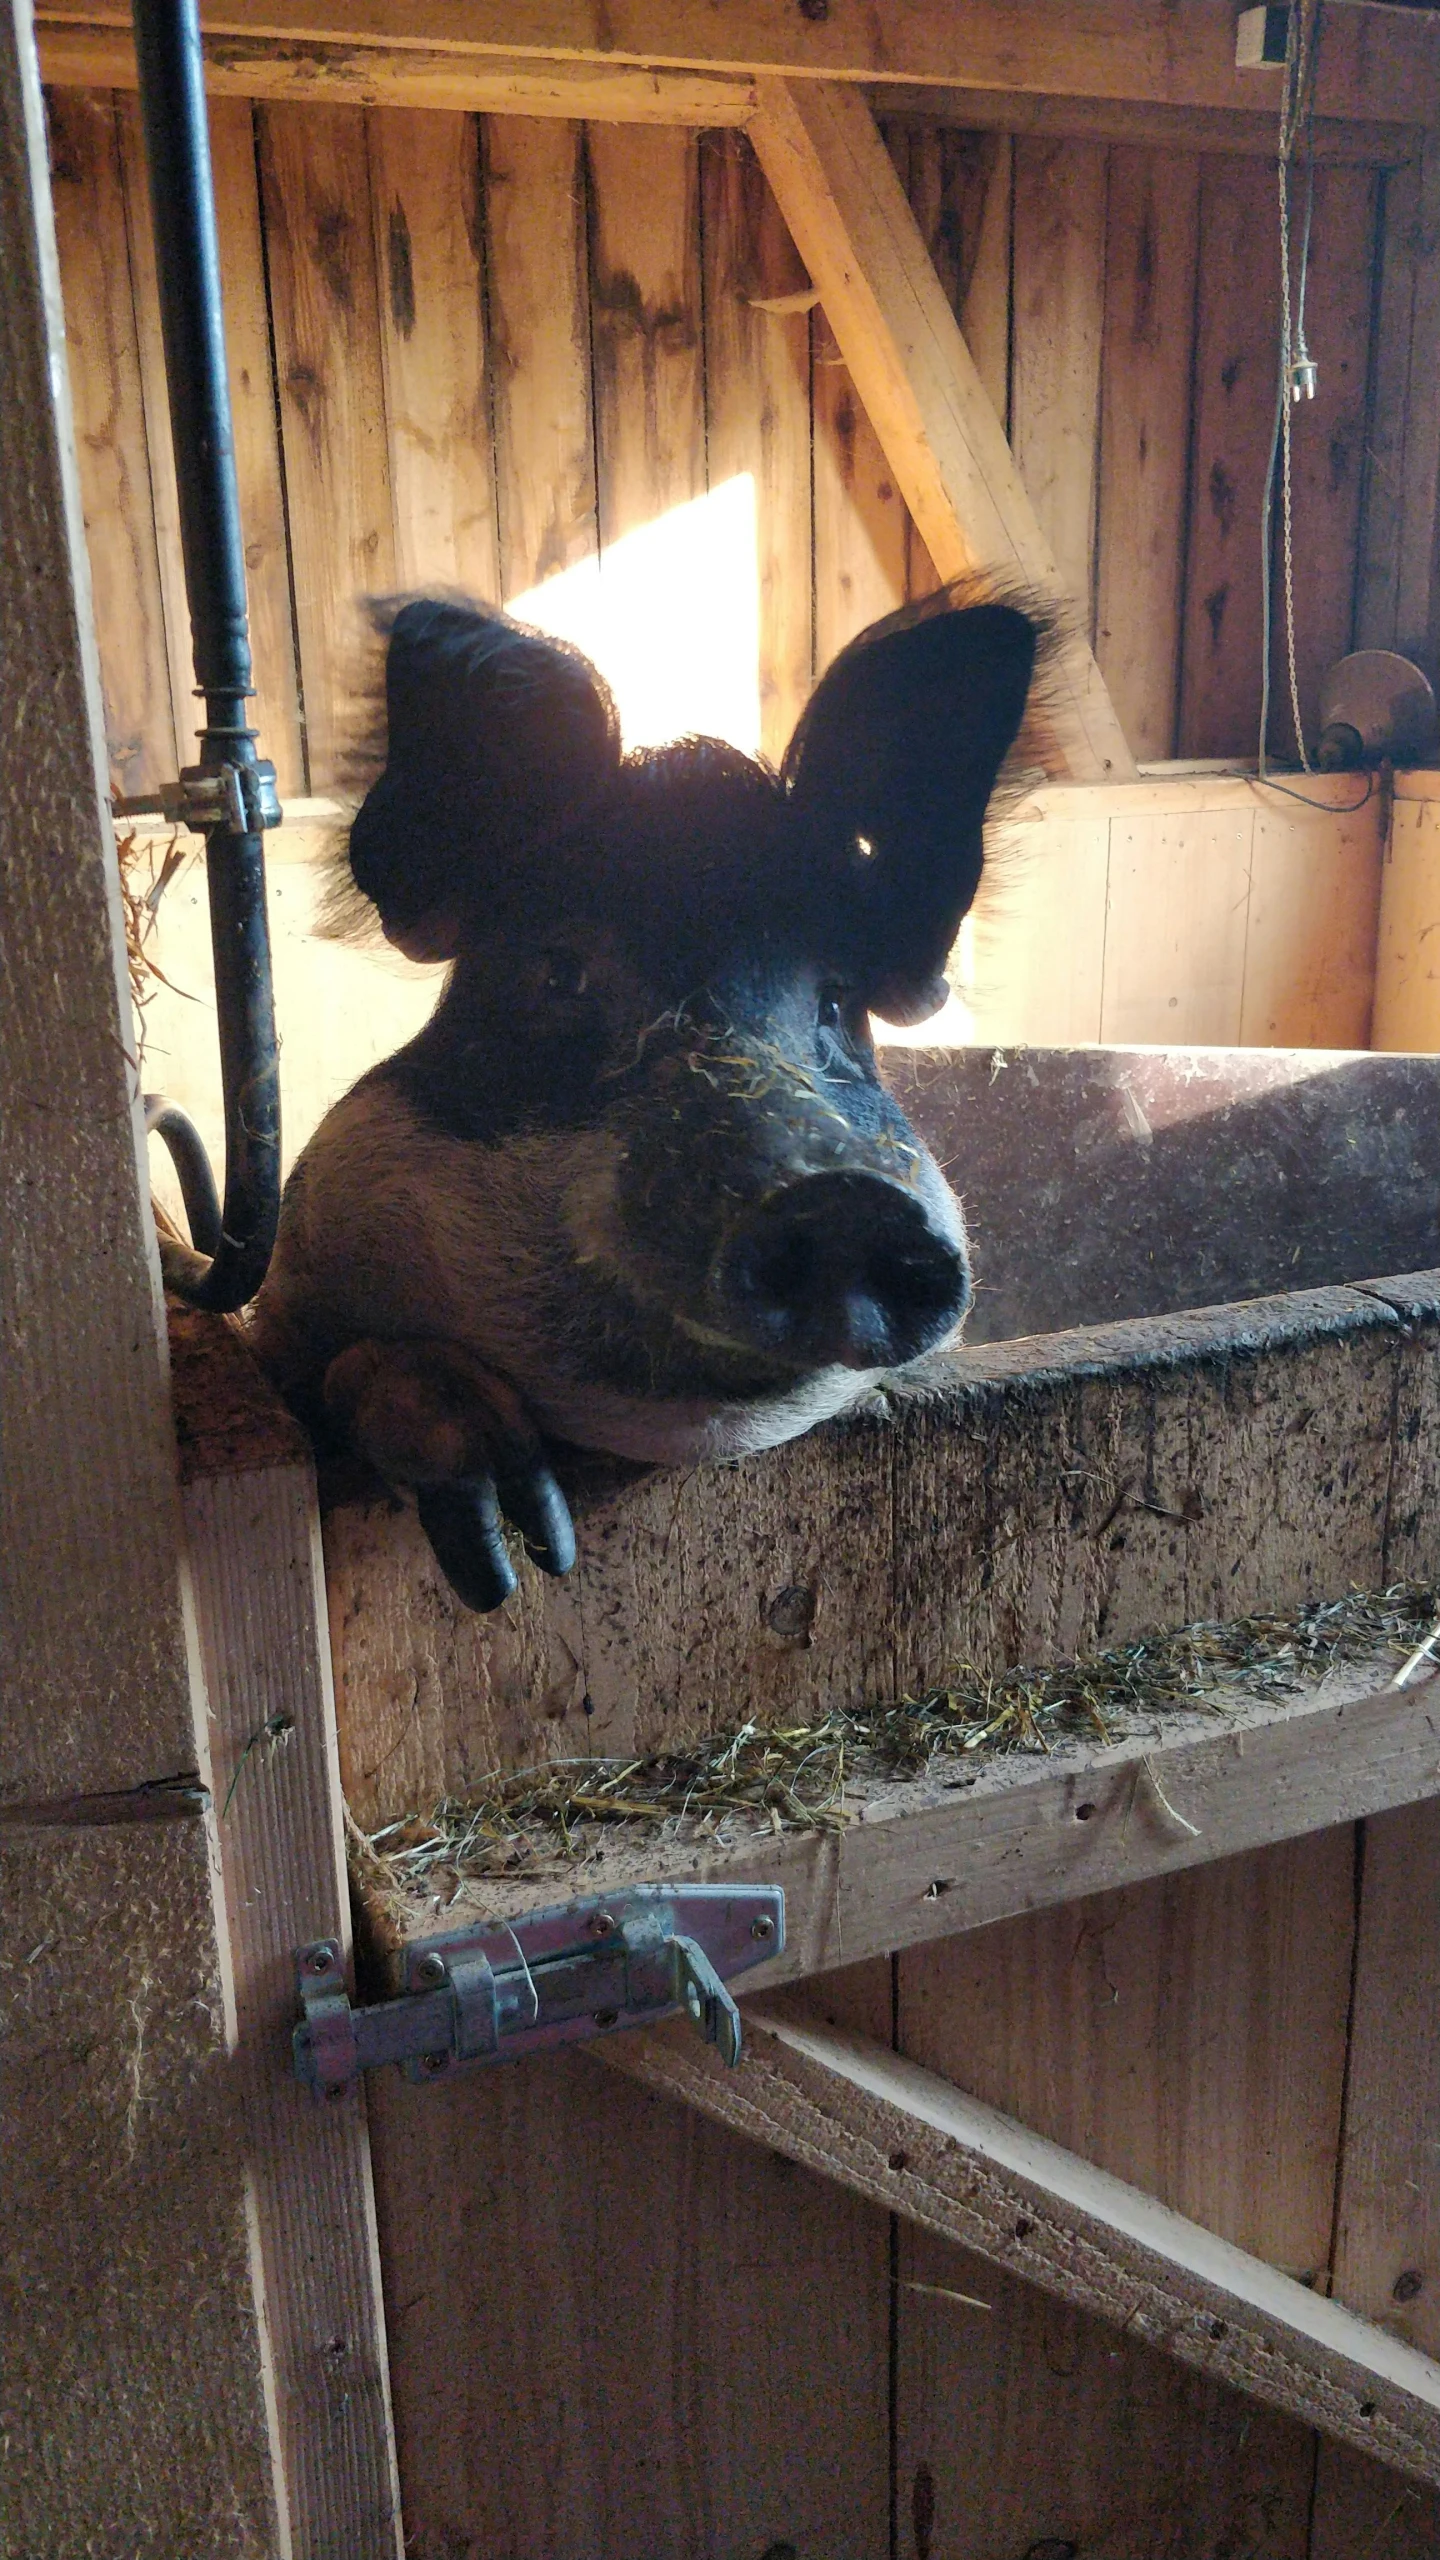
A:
701, 1222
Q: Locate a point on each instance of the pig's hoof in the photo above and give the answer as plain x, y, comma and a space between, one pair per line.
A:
429, 1415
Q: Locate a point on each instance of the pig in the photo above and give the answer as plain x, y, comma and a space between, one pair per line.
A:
638, 1185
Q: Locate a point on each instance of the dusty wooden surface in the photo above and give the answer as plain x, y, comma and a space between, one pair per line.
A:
1143, 1474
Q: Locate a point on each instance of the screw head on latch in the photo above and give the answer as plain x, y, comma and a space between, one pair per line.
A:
430, 1972
762, 1928
321, 1959
601, 1924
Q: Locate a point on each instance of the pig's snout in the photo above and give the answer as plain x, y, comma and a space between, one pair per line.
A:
842, 1270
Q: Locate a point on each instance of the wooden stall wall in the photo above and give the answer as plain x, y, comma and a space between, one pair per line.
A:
484, 351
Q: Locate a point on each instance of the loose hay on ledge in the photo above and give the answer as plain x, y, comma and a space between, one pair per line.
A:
795, 1778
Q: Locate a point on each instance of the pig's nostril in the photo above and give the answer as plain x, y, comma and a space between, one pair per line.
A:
842, 1269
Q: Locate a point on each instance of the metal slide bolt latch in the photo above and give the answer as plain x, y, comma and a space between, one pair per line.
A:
546, 1978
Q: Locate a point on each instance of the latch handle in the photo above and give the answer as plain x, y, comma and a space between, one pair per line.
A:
701, 1993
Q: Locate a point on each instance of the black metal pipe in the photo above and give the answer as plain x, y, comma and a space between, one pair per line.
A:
177, 143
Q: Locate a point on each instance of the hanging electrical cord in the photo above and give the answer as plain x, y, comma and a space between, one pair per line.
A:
1298, 373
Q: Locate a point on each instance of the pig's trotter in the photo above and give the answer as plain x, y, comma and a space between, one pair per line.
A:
430, 1415
462, 1523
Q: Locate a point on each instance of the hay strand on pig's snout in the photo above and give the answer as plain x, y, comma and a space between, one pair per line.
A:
796, 1777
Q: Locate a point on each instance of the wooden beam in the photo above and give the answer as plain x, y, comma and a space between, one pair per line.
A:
1248, 131
858, 2113
836, 185
131, 2402
1385, 67
401, 75
252, 1538
340, 74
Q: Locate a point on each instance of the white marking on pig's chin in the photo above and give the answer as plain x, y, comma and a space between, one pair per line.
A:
697, 1432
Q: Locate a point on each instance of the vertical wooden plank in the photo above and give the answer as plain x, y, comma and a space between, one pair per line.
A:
1394, 600
316, 192
1328, 449
133, 2409
1188, 2035
252, 1534
1026, 2430
1235, 374
258, 467
1361, 2511
1175, 927
673, 2342
645, 322
155, 397
1152, 241
275, 709
1387, 2261
861, 520
959, 186
1312, 926
104, 362
757, 404
539, 348
1058, 329
1407, 960
425, 192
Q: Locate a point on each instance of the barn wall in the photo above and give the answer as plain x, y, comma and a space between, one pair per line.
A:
483, 351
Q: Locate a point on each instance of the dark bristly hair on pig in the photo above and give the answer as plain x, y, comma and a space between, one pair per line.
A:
637, 1185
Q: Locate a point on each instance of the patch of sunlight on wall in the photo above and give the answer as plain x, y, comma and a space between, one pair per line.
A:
670, 614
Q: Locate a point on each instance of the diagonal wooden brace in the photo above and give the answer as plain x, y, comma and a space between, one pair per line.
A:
833, 179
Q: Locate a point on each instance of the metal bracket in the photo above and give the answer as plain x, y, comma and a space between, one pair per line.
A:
547, 1978
241, 798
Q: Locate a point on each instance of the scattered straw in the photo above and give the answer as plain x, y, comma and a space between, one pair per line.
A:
795, 1777
141, 908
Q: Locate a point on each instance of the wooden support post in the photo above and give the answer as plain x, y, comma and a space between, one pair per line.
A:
836, 186
908, 2140
252, 1534
131, 2407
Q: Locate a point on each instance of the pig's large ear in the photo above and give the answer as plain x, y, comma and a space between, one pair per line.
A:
499, 739
889, 773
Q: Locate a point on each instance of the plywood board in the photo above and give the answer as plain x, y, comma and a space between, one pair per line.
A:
1312, 925
1175, 925
1037, 948
1407, 962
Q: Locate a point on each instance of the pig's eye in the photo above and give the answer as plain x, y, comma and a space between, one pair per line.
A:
565, 975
